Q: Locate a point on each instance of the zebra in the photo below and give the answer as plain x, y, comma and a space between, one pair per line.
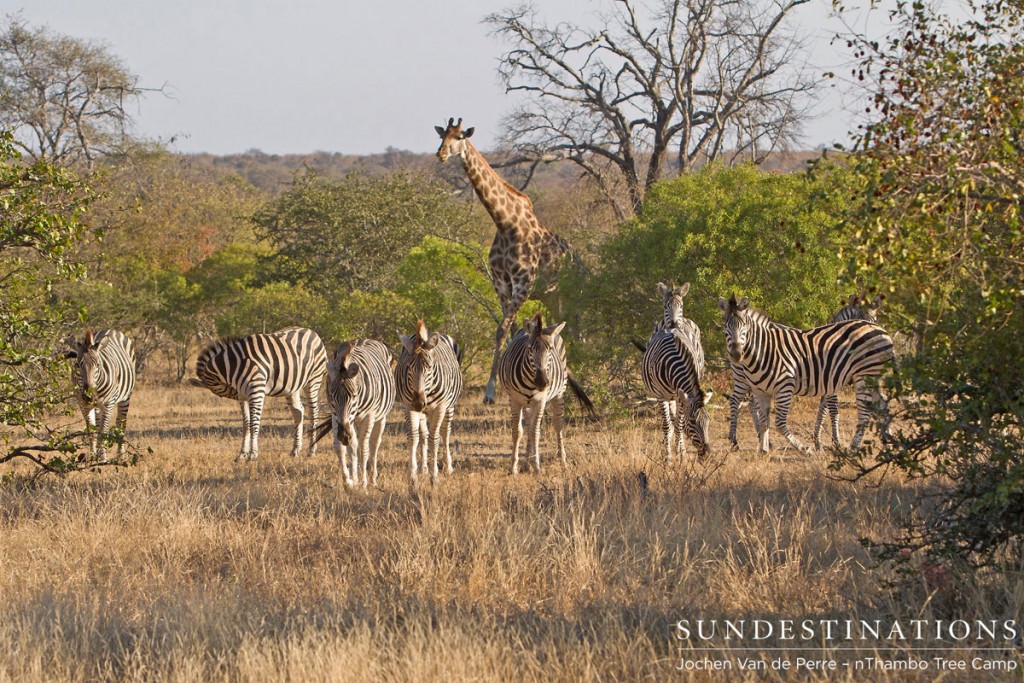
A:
104, 375
533, 373
289, 362
781, 362
672, 367
428, 381
856, 308
360, 392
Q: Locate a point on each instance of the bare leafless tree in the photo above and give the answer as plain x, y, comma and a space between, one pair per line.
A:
66, 100
681, 84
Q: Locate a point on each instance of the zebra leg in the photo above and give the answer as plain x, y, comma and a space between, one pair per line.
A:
667, 425
517, 433
534, 415
122, 421
833, 412
557, 419
376, 430
818, 421
783, 399
297, 413
869, 400
101, 430
89, 413
679, 408
313, 398
760, 409
341, 451
246, 433
412, 424
255, 410
739, 391
831, 404
446, 429
433, 423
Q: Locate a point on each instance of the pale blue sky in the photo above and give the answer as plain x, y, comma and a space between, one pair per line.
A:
298, 76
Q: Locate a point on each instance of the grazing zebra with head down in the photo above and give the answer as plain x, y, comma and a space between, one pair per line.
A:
534, 374
361, 391
289, 362
104, 374
783, 361
428, 381
672, 368
856, 308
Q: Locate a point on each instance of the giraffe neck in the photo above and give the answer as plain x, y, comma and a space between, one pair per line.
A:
503, 202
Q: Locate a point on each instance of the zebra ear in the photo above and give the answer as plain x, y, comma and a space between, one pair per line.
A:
554, 330
351, 371
71, 354
88, 343
332, 369
683, 289
743, 304
421, 331
707, 396
663, 289
407, 343
854, 300
432, 341
723, 304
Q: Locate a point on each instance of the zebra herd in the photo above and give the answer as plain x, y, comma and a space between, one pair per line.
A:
364, 379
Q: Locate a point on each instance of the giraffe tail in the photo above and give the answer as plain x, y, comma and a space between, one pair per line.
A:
581, 396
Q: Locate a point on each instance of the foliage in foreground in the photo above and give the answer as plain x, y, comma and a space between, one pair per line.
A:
938, 228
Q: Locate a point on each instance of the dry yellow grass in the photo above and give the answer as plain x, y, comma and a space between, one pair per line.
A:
190, 567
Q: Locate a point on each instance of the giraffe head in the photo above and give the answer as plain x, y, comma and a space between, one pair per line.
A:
453, 140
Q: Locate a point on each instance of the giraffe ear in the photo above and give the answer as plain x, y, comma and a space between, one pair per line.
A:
440, 131
468, 133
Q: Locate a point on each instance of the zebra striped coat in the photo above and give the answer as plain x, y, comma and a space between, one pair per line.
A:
672, 367
856, 308
533, 373
428, 382
782, 361
361, 392
104, 376
289, 362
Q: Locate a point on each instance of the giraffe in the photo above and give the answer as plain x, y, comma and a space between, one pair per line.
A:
522, 247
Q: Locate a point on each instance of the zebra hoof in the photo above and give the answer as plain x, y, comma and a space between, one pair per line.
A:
242, 457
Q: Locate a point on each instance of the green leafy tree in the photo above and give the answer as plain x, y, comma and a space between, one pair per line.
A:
40, 223
940, 174
341, 235
768, 236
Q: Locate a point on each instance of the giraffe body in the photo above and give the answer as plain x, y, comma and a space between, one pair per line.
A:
522, 248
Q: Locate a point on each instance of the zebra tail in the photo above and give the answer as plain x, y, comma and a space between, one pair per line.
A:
321, 430
639, 344
581, 395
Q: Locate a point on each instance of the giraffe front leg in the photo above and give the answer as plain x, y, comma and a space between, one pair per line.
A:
499, 339
516, 294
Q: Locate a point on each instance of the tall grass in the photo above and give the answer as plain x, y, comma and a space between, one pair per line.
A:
189, 567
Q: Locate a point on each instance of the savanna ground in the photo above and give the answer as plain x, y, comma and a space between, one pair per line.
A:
190, 567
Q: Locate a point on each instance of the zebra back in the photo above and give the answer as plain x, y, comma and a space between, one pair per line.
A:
104, 367
428, 372
281, 363
673, 363
360, 382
